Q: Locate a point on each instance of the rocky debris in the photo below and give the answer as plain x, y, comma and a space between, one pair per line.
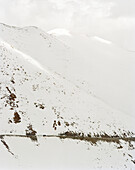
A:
6, 145
66, 123
98, 137
31, 133
39, 105
54, 125
11, 99
59, 123
16, 118
12, 80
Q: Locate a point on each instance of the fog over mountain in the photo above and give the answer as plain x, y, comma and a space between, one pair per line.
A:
112, 19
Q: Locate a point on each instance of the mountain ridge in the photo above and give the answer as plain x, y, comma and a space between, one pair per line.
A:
36, 101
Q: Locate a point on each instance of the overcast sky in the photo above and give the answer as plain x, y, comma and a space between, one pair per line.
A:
111, 19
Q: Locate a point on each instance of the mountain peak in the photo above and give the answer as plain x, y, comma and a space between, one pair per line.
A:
59, 32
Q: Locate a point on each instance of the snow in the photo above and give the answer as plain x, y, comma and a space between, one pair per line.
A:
68, 154
102, 40
28, 58
103, 66
59, 32
110, 67
38, 69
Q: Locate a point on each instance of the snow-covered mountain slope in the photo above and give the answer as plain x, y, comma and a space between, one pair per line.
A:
39, 104
107, 70
38, 44
92, 63
39, 90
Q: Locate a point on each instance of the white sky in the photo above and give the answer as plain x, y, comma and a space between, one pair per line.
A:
111, 19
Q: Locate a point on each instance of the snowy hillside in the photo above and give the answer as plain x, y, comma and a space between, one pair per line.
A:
103, 65
92, 63
46, 112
